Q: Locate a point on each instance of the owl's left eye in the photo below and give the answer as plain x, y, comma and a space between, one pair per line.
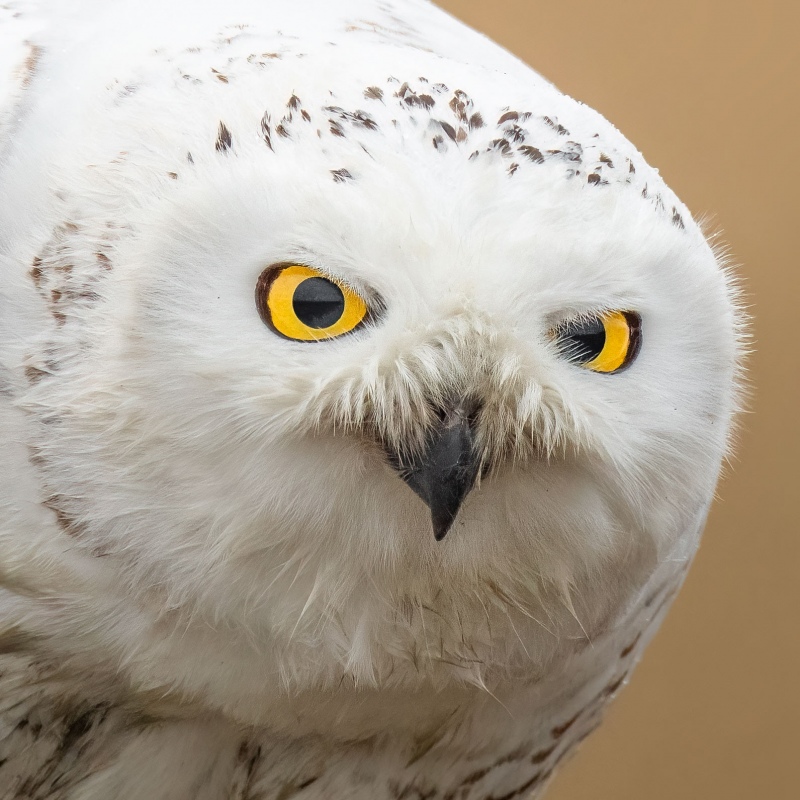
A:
605, 342
303, 304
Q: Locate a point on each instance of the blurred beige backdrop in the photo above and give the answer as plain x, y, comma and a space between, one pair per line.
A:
709, 91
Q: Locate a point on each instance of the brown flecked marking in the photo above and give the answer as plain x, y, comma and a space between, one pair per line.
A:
532, 153
474, 777
525, 787
501, 145
36, 272
357, 118
104, 261
341, 175
560, 129
606, 160
14, 640
560, 730
449, 130
294, 102
64, 520
513, 168
173, 175
219, 76
594, 178
224, 139
33, 374
266, 131
626, 651
614, 685
513, 133
542, 755
677, 219
28, 68
373, 93
475, 121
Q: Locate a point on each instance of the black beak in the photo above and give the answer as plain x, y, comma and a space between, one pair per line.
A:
443, 474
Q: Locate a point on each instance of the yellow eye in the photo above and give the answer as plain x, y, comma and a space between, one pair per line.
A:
302, 304
606, 342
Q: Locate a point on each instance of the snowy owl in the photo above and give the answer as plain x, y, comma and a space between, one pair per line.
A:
362, 398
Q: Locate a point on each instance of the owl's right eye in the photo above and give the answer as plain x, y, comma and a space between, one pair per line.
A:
305, 305
605, 343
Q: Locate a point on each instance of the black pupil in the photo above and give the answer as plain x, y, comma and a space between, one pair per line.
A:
583, 340
318, 303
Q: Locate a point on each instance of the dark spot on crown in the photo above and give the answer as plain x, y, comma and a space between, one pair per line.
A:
341, 175
560, 129
173, 175
508, 117
532, 153
677, 219
224, 139
294, 102
449, 130
594, 179
357, 118
572, 151
513, 168
513, 133
606, 160
501, 146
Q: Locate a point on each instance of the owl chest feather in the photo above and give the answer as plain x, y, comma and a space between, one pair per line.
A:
82, 737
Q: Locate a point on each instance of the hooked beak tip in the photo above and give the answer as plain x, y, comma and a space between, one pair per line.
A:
445, 473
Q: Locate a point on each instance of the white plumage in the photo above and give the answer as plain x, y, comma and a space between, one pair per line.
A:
213, 582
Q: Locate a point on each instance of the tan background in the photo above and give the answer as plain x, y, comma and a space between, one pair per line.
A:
709, 91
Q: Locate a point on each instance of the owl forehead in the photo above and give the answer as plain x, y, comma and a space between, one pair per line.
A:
426, 162
457, 137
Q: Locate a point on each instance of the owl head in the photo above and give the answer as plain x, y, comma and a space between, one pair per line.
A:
370, 340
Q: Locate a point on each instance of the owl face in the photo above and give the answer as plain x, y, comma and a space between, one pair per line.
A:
408, 345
